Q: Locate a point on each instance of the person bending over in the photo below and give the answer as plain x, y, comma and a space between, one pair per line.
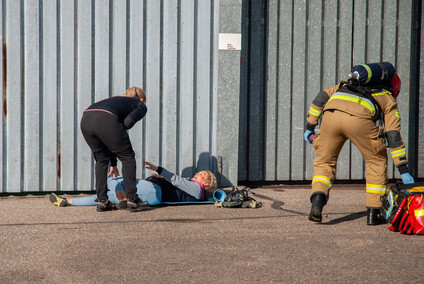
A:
104, 126
359, 113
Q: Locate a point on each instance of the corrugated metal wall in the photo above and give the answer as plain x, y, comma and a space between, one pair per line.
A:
311, 45
61, 56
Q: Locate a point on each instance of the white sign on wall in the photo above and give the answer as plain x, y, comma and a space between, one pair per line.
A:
229, 41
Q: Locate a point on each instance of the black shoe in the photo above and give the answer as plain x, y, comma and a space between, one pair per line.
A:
318, 201
374, 217
105, 205
122, 204
58, 201
136, 205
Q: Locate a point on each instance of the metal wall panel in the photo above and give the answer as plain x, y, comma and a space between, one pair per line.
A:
311, 45
49, 97
226, 74
13, 95
61, 56
206, 110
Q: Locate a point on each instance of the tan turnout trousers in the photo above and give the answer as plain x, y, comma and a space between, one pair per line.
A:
336, 128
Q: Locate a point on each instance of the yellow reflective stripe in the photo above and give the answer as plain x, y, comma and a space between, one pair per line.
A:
314, 112
356, 99
384, 92
369, 73
419, 213
397, 114
398, 153
322, 179
376, 188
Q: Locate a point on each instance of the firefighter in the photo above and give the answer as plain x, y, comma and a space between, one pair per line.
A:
367, 114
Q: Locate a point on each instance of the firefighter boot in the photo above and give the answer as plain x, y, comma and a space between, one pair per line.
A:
318, 201
374, 217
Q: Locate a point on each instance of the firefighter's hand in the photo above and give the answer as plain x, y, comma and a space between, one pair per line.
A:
309, 136
407, 178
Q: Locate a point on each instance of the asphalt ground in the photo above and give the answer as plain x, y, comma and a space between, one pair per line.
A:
41, 243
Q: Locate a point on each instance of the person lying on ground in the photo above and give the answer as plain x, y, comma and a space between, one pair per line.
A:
158, 188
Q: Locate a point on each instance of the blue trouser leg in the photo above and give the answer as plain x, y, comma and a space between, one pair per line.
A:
147, 191
91, 200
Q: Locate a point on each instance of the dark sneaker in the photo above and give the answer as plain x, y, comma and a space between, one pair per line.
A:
136, 205
105, 205
58, 201
122, 204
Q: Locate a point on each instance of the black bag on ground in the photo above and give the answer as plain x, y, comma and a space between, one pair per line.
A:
240, 198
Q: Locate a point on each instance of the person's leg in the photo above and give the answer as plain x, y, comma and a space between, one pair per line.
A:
115, 137
364, 135
91, 200
149, 192
129, 173
84, 201
90, 123
102, 164
327, 144
116, 187
117, 140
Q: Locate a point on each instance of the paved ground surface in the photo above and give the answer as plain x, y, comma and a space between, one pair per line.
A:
41, 243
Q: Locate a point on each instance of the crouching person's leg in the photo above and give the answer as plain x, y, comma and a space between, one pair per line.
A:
376, 177
322, 181
321, 186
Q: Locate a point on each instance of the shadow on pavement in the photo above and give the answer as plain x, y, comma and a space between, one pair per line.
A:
350, 217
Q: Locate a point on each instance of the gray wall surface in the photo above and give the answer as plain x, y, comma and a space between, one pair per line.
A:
228, 95
240, 113
61, 56
311, 45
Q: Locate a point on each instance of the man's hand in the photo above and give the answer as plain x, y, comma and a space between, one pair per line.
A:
114, 172
150, 166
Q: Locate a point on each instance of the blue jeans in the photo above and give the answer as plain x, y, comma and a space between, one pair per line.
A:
147, 191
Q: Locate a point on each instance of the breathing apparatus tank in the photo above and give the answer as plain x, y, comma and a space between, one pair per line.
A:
383, 73
373, 73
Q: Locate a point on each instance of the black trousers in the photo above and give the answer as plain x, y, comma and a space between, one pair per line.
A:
104, 134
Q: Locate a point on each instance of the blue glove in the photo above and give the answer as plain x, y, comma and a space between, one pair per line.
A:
307, 134
407, 178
